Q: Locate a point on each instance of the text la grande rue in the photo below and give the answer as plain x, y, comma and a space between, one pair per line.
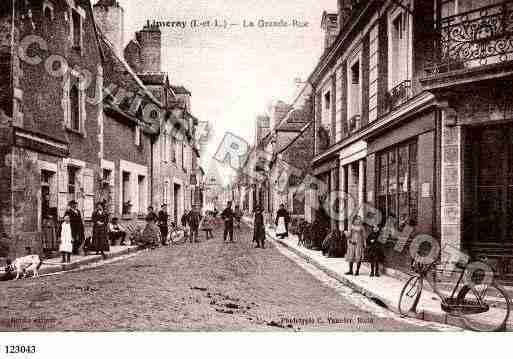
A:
274, 23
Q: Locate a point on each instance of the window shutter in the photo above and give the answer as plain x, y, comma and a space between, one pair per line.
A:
62, 197
343, 97
88, 187
365, 80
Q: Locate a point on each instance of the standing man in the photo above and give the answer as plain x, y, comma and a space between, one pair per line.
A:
163, 218
228, 216
77, 225
194, 222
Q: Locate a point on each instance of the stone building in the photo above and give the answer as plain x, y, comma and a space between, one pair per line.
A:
51, 126
128, 139
166, 167
399, 124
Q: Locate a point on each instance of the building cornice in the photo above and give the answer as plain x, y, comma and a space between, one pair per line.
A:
417, 104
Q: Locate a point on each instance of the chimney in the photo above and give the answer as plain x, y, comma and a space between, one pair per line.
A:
278, 112
150, 40
344, 12
329, 24
262, 128
109, 17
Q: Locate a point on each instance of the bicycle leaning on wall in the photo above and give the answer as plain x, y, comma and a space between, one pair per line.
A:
476, 298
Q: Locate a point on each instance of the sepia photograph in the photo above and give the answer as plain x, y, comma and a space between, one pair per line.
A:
294, 166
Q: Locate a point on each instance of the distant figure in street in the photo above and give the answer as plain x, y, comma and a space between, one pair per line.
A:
216, 212
77, 225
282, 222
207, 225
163, 219
151, 216
228, 215
116, 233
238, 216
194, 220
259, 228
100, 220
184, 221
66, 246
356, 243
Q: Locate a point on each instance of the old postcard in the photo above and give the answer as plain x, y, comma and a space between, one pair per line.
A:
255, 166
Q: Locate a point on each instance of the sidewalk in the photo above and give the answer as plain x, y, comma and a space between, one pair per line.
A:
384, 290
54, 265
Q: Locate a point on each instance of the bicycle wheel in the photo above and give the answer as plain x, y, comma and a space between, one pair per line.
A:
484, 308
410, 295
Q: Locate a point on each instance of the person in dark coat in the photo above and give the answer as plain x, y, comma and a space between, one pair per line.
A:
375, 250
282, 222
163, 218
259, 228
228, 216
100, 221
77, 225
194, 220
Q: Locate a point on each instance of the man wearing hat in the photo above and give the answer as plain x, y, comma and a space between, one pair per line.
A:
228, 215
162, 221
77, 225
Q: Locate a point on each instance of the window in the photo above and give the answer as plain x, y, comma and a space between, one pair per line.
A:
137, 135
399, 48
354, 94
77, 29
173, 149
125, 193
74, 99
397, 185
72, 181
327, 100
373, 73
141, 187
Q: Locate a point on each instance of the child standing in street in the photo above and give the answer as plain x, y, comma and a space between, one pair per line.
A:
66, 246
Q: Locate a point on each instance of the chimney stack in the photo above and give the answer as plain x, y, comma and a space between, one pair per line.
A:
150, 40
330, 26
110, 18
344, 12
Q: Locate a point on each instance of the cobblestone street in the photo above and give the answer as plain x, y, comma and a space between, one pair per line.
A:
209, 285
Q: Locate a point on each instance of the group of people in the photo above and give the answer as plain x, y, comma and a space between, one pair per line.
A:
282, 225
363, 243
72, 235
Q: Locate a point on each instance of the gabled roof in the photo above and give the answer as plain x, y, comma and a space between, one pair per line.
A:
130, 80
180, 90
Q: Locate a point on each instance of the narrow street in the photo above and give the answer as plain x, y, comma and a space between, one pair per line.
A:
209, 285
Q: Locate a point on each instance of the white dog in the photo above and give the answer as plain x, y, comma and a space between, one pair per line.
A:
25, 264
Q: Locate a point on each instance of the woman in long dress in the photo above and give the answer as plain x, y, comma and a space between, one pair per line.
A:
356, 243
66, 246
282, 222
100, 221
259, 228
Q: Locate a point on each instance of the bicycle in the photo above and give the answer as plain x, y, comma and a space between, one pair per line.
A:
481, 306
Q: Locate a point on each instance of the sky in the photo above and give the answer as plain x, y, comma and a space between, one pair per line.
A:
234, 73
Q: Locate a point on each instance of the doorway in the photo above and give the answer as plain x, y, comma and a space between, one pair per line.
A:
488, 227
176, 202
